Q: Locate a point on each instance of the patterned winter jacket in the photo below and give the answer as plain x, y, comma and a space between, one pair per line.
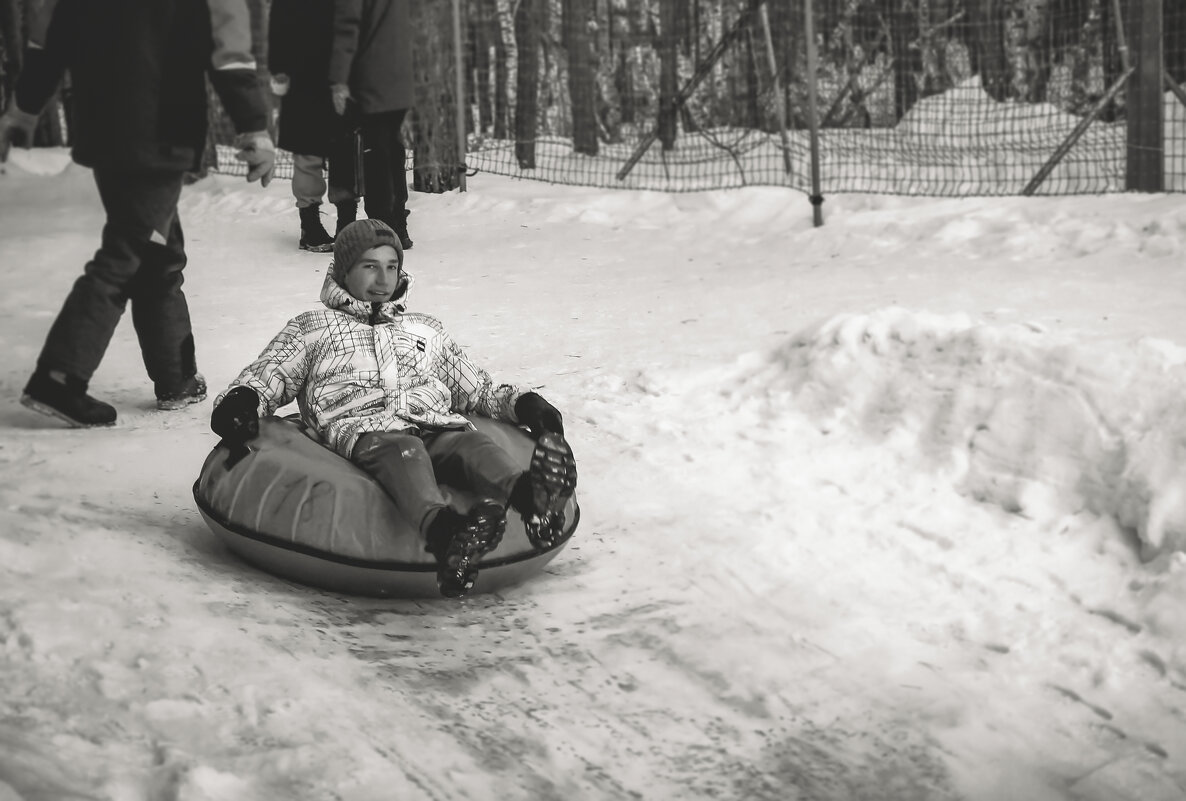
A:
355, 367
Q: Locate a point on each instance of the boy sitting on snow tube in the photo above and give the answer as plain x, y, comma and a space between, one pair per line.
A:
386, 388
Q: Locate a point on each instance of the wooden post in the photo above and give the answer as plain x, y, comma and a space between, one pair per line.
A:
1144, 111
817, 199
459, 68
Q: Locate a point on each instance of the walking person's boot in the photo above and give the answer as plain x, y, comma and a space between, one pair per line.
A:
314, 237
191, 391
63, 396
401, 228
347, 213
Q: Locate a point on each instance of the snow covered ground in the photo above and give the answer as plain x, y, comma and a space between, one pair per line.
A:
889, 509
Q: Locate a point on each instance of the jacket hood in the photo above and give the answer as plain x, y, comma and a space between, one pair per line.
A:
335, 297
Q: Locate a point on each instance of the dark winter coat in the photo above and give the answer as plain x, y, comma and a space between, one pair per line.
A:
300, 35
372, 53
354, 368
138, 74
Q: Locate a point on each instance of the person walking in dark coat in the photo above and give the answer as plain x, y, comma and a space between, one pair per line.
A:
139, 71
300, 34
370, 68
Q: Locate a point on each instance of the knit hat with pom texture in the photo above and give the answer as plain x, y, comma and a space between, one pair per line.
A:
357, 238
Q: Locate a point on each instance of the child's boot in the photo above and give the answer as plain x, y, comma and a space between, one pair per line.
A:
314, 237
542, 492
459, 541
63, 396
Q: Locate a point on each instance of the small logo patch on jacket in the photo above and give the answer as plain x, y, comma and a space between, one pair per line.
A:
421, 345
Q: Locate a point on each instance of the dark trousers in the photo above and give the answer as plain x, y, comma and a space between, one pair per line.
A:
140, 260
384, 163
411, 468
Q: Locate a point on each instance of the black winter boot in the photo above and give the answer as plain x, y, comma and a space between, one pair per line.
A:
62, 396
542, 492
347, 213
401, 229
314, 237
459, 541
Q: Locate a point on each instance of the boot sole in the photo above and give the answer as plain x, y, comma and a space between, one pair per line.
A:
554, 502
317, 248
475, 545
179, 403
29, 402
545, 528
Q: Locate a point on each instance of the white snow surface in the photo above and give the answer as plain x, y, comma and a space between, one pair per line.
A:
893, 508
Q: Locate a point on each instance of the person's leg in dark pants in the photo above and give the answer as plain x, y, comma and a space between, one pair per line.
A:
383, 171
160, 314
402, 466
401, 463
141, 224
471, 460
397, 163
141, 228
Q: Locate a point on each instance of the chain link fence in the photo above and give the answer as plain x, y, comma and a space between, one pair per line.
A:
910, 97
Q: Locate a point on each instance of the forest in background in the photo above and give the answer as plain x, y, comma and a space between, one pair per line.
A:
601, 72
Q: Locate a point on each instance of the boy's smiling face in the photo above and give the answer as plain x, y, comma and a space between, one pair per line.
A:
375, 276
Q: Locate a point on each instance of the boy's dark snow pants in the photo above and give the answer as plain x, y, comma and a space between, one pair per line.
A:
140, 260
411, 468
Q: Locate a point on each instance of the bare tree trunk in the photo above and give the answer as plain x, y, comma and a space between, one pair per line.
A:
582, 73
752, 114
790, 47
667, 47
905, 26
609, 104
986, 25
480, 70
1113, 68
506, 66
436, 164
1175, 40
527, 33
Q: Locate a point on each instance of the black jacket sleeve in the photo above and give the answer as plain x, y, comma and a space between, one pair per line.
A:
232, 66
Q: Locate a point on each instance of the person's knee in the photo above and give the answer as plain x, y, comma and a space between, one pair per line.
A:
384, 444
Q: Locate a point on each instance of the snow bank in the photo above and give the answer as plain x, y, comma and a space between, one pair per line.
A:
1021, 418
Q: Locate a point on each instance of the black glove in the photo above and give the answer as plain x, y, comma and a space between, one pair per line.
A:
538, 415
236, 419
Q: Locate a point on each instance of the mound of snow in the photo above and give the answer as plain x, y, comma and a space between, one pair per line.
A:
966, 112
1035, 424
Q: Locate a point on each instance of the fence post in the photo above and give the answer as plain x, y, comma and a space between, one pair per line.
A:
459, 68
1144, 110
817, 200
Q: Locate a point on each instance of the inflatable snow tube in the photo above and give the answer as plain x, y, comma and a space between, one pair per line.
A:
298, 510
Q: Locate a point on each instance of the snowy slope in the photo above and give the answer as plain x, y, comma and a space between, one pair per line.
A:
888, 509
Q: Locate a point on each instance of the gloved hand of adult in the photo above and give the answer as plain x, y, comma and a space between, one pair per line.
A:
280, 83
339, 94
236, 419
16, 124
257, 150
538, 415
